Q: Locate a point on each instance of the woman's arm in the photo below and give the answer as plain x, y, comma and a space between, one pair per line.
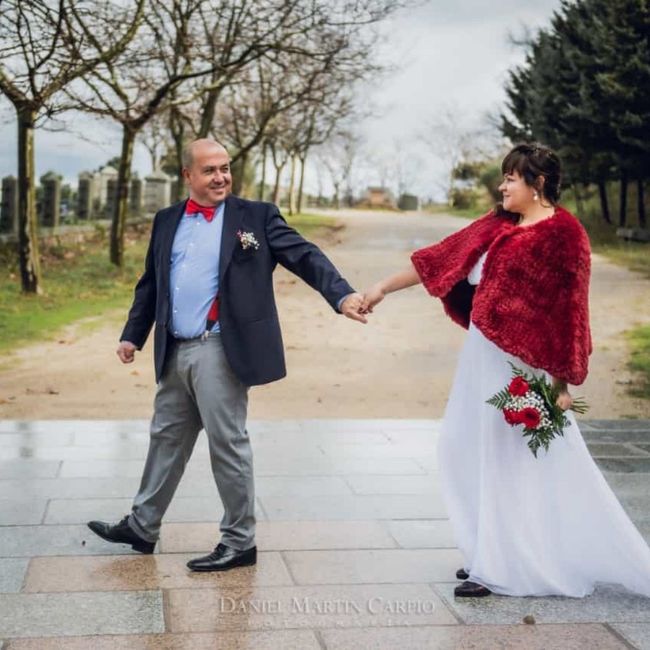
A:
378, 292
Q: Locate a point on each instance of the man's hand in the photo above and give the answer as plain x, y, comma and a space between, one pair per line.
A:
126, 351
351, 307
372, 297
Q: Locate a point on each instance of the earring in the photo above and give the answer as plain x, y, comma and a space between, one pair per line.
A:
535, 196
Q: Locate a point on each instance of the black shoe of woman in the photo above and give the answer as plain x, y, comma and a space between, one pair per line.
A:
471, 590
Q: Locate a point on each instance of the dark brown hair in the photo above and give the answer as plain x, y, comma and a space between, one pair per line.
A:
532, 160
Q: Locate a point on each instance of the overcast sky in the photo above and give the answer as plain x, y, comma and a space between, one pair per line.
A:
447, 54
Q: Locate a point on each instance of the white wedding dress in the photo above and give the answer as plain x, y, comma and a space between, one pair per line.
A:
528, 526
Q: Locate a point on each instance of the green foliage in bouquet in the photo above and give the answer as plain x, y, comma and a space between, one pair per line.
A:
530, 401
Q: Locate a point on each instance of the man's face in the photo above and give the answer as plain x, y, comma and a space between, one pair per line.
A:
208, 177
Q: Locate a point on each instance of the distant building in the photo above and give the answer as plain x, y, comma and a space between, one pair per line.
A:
408, 202
378, 197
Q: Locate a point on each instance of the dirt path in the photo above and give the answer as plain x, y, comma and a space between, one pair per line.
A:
400, 365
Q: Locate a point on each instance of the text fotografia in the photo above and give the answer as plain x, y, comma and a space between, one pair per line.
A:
306, 605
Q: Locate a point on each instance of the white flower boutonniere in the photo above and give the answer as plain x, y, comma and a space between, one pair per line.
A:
247, 240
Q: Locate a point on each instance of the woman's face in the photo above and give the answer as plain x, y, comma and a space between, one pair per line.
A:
517, 195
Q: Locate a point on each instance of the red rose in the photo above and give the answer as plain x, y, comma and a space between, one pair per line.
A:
512, 417
518, 387
530, 417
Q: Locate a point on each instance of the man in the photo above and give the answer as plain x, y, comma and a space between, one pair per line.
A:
208, 287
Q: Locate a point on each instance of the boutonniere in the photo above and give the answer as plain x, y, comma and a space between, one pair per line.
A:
247, 240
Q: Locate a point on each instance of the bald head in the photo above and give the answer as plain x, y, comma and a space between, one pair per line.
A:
199, 146
206, 170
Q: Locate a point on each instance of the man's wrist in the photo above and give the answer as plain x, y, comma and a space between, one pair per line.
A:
339, 304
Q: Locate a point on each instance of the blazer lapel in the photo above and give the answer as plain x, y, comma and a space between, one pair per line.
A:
232, 220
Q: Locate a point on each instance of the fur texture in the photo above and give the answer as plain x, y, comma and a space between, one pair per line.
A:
533, 298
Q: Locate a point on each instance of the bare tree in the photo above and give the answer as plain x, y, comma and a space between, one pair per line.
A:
140, 84
44, 47
452, 141
339, 155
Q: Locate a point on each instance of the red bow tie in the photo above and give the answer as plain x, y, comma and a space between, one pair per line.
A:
193, 207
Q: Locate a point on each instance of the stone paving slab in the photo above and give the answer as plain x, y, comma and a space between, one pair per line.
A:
305, 607
422, 484
23, 468
608, 604
78, 511
349, 512
283, 536
28, 615
476, 637
638, 634
145, 573
33, 541
240, 640
373, 566
422, 533
16, 512
371, 506
12, 574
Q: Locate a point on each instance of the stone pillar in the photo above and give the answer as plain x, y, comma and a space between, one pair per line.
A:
156, 192
85, 197
9, 205
51, 203
111, 198
135, 197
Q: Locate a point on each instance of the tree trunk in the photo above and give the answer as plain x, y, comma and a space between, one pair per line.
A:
337, 198
122, 199
260, 189
238, 169
207, 116
276, 186
604, 203
579, 202
30, 265
301, 182
292, 185
640, 202
622, 212
177, 130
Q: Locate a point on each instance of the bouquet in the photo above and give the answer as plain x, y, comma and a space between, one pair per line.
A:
530, 401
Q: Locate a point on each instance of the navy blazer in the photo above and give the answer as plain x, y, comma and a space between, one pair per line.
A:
248, 317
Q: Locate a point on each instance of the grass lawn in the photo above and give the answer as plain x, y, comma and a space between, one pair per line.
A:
80, 282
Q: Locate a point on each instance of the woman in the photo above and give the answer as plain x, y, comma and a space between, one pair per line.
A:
518, 279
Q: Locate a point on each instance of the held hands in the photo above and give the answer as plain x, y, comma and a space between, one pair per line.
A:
373, 297
356, 306
126, 351
352, 307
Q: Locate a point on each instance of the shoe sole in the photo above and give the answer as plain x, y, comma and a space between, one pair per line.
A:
479, 595
146, 548
226, 568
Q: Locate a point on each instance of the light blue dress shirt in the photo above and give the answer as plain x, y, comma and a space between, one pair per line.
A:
194, 273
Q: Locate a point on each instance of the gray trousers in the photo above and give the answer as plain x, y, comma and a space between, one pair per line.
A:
199, 390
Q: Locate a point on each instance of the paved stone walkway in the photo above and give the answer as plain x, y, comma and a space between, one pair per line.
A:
355, 548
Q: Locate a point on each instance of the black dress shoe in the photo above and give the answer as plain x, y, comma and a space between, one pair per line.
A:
471, 590
461, 574
223, 558
121, 533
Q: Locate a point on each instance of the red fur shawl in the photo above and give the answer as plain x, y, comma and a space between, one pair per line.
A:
532, 300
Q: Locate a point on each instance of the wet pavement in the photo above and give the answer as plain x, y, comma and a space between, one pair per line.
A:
355, 550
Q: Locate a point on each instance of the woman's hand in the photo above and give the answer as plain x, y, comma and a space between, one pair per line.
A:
564, 399
372, 297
